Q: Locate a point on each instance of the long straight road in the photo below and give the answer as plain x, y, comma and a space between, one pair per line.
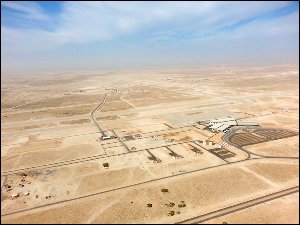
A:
93, 117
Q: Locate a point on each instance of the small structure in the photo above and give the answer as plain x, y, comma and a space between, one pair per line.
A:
156, 160
138, 135
107, 135
174, 155
104, 137
177, 156
13, 196
122, 139
196, 150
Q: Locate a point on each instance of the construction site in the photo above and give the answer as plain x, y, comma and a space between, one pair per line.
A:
185, 145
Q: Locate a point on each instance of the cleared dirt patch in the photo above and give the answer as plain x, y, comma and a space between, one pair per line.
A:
115, 106
34, 146
63, 101
154, 101
283, 147
49, 113
51, 155
114, 117
277, 172
194, 113
29, 127
178, 136
81, 121
39, 126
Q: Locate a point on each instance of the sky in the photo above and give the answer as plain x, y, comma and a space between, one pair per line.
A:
69, 36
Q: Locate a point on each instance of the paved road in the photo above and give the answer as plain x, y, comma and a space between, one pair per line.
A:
244, 205
80, 160
92, 113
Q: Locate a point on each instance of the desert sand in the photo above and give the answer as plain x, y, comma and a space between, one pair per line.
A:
156, 167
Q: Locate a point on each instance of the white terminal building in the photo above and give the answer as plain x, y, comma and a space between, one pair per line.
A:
222, 125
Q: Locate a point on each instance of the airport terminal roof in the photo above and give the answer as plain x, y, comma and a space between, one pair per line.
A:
224, 127
229, 123
222, 120
215, 126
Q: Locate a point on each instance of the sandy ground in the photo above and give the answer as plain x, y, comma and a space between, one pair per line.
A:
282, 147
208, 190
48, 135
279, 211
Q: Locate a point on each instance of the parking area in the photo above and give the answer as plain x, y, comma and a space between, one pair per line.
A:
245, 137
222, 153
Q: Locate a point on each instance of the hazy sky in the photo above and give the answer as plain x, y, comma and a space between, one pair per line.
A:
53, 36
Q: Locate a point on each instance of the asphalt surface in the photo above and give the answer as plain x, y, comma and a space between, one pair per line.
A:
93, 117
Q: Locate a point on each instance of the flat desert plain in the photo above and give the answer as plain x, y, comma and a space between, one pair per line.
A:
136, 146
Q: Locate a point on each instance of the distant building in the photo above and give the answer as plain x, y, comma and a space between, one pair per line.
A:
222, 125
217, 121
